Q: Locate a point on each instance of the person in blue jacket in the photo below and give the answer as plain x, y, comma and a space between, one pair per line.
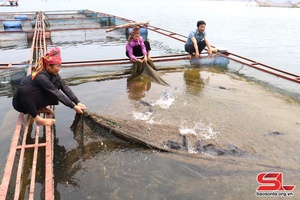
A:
45, 87
197, 41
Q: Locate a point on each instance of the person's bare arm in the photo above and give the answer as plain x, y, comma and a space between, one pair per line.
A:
194, 41
209, 50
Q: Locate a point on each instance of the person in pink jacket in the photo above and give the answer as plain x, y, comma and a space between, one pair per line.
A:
137, 49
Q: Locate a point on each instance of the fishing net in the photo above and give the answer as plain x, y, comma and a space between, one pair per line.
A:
90, 126
146, 69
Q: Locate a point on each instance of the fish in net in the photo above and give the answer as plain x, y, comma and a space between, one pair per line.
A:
90, 126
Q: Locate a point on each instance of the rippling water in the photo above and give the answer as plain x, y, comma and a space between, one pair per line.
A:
260, 116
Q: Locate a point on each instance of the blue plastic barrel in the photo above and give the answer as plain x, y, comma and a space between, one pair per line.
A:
11, 24
206, 60
33, 22
104, 21
21, 17
222, 61
13, 29
91, 14
112, 21
143, 32
81, 11
107, 21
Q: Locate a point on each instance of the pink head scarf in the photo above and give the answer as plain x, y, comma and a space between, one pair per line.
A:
51, 57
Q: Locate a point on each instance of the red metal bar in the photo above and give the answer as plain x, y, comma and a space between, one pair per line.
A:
258, 63
113, 61
56, 30
120, 61
125, 59
294, 78
167, 33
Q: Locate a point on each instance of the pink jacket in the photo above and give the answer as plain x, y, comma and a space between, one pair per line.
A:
130, 44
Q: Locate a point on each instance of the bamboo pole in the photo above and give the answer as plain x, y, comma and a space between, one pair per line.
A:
133, 24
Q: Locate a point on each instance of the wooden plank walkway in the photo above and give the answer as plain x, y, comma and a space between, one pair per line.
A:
12, 186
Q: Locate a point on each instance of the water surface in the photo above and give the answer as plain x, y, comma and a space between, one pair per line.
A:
258, 115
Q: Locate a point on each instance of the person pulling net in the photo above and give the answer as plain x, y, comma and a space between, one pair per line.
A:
138, 51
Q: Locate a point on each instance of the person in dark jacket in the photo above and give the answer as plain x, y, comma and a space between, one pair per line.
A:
45, 87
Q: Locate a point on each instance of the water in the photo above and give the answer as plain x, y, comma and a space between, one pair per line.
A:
205, 103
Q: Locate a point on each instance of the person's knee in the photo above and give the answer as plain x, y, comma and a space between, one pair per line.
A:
127, 54
186, 48
201, 46
147, 45
189, 48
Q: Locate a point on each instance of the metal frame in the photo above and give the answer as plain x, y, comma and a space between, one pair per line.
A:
39, 48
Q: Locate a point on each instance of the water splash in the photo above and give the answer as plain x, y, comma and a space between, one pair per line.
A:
165, 100
142, 116
200, 130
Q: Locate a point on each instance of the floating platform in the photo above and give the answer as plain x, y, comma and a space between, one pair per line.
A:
282, 4
36, 27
